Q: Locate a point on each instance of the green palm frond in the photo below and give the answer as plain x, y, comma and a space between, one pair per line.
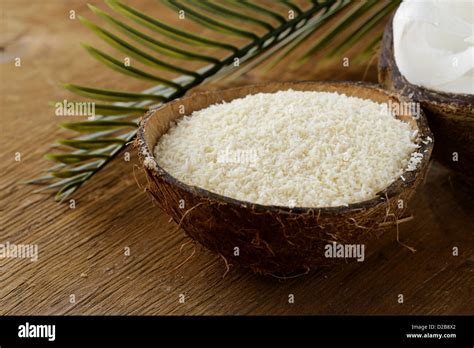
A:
269, 34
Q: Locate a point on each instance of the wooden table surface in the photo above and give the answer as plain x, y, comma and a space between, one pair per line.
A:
82, 250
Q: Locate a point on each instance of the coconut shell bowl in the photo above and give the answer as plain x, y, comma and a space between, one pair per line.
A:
450, 115
275, 240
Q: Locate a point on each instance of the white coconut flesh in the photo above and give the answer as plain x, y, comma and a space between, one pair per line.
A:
434, 44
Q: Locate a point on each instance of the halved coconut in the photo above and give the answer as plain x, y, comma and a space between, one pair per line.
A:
450, 115
275, 240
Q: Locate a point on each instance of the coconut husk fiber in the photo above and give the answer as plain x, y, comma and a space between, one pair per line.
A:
274, 240
450, 116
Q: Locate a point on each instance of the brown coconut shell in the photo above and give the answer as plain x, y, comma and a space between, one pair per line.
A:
273, 240
450, 115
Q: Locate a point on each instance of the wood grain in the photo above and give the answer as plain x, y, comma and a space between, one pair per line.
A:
81, 250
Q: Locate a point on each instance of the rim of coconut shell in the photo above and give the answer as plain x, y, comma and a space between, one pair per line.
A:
391, 77
148, 160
